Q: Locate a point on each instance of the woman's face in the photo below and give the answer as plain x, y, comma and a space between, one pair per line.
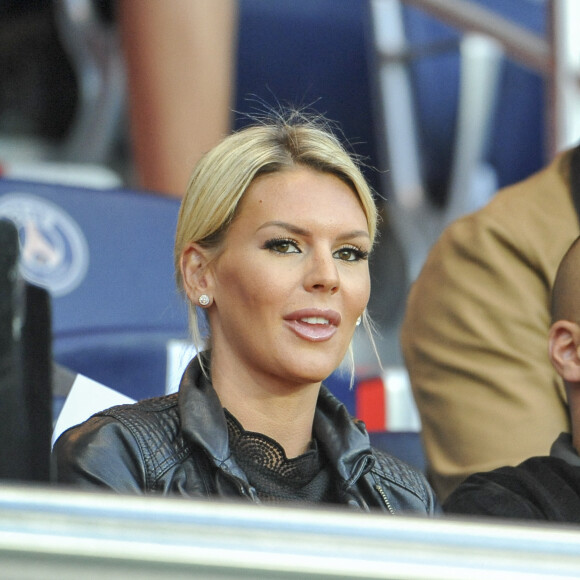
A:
292, 279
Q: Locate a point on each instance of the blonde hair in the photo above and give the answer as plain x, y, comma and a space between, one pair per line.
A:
222, 176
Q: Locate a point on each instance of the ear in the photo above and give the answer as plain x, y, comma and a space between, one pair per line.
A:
564, 347
194, 271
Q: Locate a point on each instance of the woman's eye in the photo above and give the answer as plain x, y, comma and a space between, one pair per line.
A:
351, 254
282, 246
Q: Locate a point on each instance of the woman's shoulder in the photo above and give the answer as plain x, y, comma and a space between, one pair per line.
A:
133, 416
401, 475
152, 422
154, 409
396, 469
131, 441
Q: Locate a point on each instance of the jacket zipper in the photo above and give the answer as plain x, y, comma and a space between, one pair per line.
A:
364, 467
385, 498
244, 490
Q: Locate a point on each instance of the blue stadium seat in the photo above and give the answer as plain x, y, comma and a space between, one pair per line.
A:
106, 258
405, 445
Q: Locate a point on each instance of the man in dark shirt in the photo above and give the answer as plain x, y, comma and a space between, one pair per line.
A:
541, 488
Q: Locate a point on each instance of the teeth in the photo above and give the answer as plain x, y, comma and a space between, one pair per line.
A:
315, 320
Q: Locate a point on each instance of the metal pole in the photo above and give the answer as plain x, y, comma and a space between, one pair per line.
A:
563, 91
522, 45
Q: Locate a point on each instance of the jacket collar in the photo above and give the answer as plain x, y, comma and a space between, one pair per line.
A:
344, 441
563, 449
202, 417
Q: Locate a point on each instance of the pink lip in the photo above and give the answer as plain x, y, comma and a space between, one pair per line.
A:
313, 332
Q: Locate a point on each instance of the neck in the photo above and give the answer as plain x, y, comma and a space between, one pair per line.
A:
283, 412
573, 395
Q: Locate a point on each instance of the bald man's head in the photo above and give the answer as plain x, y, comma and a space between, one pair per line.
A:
566, 290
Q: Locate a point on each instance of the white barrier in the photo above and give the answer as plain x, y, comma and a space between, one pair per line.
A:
54, 533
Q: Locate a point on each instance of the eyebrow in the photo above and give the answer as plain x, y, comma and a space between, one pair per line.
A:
302, 232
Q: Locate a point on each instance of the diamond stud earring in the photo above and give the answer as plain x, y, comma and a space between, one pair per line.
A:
203, 300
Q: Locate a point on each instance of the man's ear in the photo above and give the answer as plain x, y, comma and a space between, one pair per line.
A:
194, 271
564, 347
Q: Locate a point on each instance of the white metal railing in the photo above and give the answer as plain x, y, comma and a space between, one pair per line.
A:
61, 533
524, 46
486, 37
564, 75
416, 221
556, 57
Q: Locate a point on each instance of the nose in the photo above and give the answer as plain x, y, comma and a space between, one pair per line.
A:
322, 274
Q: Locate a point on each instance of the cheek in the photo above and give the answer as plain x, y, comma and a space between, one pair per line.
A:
251, 285
367, 291
360, 291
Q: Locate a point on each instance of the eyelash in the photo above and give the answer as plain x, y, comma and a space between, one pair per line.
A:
357, 252
272, 245
276, 242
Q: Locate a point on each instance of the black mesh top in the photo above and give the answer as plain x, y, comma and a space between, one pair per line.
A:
276, 478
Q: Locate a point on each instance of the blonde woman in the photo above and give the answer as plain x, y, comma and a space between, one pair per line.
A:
272, 246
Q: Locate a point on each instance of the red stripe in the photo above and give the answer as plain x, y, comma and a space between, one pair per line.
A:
370, 404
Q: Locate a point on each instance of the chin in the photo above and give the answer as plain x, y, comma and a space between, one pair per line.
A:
310, 362
315, 369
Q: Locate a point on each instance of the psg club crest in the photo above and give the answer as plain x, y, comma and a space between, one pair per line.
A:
53, 249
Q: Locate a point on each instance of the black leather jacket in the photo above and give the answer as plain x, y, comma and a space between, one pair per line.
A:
178, 444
